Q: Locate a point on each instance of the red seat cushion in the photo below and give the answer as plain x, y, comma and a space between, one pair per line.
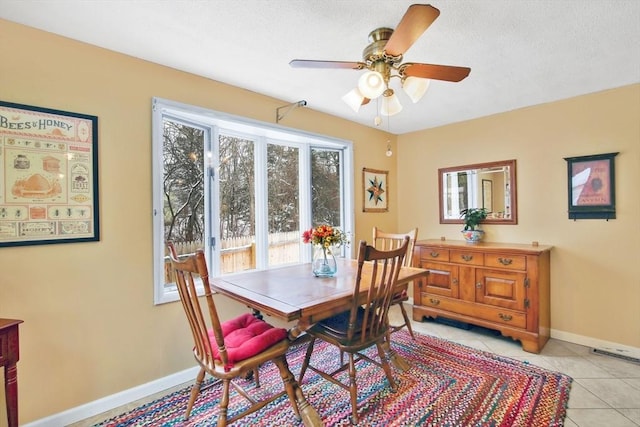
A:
400, 296
246, 336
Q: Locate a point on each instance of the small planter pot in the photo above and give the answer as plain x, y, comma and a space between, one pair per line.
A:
473, 236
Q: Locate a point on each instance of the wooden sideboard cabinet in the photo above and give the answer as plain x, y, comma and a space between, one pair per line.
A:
499, 286
9, 355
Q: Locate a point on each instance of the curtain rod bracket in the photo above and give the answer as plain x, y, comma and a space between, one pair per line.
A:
289, 107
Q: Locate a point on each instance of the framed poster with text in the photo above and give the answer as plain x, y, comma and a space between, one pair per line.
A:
591, 186
48, 176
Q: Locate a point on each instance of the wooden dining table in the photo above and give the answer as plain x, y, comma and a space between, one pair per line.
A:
293, 293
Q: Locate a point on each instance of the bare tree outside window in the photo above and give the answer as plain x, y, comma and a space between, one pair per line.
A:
325, 187
283, 167
184, 198
237, 187
283, 188
183, 183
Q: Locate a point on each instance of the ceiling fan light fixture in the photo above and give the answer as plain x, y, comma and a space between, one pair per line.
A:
354, 99
390, 104
371, 84
382, 60
415, 87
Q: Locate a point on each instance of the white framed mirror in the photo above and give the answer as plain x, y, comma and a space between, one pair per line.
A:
490, 185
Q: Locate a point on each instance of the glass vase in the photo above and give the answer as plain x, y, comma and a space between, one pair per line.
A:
324, 262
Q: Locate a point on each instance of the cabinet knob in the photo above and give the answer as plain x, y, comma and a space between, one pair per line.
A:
454, 281
505, 317
479, 285
467, 257
505, 261
434, 254
434, 301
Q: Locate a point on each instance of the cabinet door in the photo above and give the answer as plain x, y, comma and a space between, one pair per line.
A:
442, 279
501, 288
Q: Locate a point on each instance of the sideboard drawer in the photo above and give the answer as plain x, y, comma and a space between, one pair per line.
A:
511, 262
434, 254
467, 257
508, 317
443, 303
513, 318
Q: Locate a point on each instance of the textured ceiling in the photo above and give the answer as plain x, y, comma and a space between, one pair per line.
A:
521, 52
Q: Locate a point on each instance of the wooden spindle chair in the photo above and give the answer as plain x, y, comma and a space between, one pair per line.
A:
388, 241
232, 349
365, 324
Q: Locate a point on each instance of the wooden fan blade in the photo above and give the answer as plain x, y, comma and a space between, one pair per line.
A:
415, 21
308, 63
448, 73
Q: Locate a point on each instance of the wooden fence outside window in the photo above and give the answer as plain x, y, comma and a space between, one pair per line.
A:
239, 254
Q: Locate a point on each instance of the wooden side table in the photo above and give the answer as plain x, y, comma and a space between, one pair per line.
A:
9, 355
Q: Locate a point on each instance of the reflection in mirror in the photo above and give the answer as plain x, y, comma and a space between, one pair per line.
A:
483, 185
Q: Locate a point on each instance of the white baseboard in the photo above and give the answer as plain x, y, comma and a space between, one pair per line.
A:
612, 347
108, 403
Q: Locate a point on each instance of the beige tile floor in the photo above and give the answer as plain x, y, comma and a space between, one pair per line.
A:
605, 391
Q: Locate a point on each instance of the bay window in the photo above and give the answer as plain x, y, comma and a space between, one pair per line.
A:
242, 190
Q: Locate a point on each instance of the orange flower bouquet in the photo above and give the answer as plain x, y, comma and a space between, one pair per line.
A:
323, 238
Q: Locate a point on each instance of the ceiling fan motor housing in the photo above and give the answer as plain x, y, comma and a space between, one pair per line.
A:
374, 55
378, 38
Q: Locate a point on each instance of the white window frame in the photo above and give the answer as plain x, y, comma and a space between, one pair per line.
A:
263, 133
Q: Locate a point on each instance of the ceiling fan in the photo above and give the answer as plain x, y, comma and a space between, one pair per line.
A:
382, 59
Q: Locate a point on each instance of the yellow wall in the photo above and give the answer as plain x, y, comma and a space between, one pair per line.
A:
91, 329
595, 285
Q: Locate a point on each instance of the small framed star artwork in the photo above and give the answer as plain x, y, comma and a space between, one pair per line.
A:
375, 191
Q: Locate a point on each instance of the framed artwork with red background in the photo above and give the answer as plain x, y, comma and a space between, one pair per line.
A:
591, 186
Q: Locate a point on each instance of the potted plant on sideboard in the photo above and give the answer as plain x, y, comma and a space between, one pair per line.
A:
472, 218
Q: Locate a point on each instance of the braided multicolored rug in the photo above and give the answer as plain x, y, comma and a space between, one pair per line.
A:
447, 385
